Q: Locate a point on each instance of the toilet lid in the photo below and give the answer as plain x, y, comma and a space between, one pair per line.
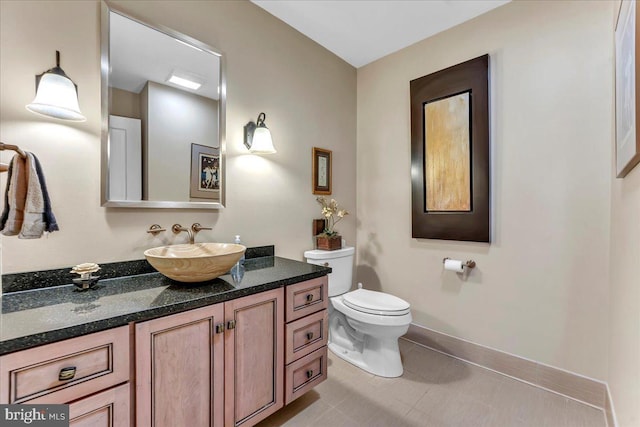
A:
376, 303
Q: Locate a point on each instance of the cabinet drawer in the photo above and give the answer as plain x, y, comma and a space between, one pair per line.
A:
305, 373
66, 370
306, 298
306, 335
110, 408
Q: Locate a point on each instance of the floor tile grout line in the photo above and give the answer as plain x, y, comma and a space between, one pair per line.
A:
326, 411
509, 376
537, 365
470, 383
526, 359
348, 417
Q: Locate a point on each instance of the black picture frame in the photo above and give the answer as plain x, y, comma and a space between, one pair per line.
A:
473, 224
206, 172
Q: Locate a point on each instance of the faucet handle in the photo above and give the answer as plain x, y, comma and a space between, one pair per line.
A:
156, 229
197, 227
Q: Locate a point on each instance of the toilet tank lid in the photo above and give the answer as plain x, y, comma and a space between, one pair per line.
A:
338, 253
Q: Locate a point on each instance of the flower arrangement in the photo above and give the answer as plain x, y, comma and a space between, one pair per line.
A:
332, 215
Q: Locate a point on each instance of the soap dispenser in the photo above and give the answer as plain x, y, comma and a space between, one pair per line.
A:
237, 242
237, 271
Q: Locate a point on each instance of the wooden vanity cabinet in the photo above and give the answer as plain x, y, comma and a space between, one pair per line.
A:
212, 366
227, 364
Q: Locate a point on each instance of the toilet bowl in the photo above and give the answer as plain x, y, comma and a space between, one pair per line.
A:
364, 325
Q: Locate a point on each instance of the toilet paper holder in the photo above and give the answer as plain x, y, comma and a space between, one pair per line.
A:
469, 264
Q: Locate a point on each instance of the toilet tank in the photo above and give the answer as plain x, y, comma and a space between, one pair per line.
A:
341, 263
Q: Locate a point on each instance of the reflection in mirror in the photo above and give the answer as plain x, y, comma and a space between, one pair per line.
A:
163, 117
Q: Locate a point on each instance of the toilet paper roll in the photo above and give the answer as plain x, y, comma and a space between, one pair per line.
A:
454, 265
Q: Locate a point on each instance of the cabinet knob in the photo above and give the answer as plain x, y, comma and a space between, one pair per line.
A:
309, 297
309, 335
219, 328
231, 324
67, 373
309, 373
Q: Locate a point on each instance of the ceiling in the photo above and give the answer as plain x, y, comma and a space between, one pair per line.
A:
139, 53
361, 31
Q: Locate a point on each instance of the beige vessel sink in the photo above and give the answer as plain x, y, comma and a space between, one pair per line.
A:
196, 262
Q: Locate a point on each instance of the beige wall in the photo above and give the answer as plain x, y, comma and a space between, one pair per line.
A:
307, 93
125, 103
624, 295
624, 328
540, 289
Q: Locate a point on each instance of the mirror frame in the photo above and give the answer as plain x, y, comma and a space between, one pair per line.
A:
106, 8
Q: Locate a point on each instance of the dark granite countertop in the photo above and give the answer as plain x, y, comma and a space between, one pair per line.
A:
39, 316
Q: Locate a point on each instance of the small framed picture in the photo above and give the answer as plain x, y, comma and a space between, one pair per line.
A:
321, 165
206, 173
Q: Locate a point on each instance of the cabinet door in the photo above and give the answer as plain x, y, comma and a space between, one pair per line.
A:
179, 370
110, 408
254, 357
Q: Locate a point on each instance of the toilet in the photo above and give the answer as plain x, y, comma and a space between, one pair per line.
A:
364, 325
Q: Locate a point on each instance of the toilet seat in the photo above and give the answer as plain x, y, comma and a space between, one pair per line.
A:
378, 303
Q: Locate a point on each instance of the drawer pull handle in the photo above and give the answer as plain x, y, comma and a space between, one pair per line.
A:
309, 336
309, 297
309, 373
231, 324
219, 328
67, 373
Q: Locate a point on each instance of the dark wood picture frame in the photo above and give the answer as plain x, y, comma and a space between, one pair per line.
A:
472, 224
205, 184
627, 101
321, 165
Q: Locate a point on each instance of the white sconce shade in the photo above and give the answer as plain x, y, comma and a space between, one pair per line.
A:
56, 95
262, 142
257, 137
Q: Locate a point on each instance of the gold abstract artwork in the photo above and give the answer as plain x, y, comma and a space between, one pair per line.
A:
447, 158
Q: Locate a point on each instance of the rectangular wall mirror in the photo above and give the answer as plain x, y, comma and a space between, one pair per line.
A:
163, 116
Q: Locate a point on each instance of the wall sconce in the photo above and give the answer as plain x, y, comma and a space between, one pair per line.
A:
56, 95
257, 137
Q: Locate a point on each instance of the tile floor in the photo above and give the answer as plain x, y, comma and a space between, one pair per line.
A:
435, 391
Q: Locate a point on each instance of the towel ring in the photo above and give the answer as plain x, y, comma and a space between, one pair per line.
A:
15, 148
4, 167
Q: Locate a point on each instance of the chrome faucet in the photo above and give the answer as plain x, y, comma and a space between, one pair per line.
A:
177, 228
196, 227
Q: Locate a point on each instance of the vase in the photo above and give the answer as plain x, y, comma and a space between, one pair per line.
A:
329, 243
